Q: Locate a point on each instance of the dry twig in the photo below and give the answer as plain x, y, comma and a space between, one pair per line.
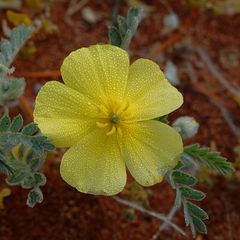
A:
75, 6
216, 72
156, 215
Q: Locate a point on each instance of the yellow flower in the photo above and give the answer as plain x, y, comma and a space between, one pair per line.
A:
103, 113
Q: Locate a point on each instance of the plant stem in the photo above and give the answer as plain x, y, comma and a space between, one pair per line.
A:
159, 216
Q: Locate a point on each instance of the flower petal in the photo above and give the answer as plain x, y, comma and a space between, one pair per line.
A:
150, 149
95, 165
152, 94
63, 114
99, 72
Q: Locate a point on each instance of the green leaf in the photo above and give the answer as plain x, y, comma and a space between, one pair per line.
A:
17, 123
123, 35
4, 123
34, 164
38, 149
30, 129
21, 151
40, 179
18, 38
9, 49
211, 158
24, 169
126, 40
134, 25
16, 178
34, 180
48, 146
28, 182
132, 13
122, 26
180, 177
35, 196
192, 194
39, 138
4, 167
199, 225
197, 211
11, 88
114, 36
6, 49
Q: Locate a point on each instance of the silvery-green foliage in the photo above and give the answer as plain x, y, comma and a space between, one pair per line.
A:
123, 35
22, 154
12, 87
183, 182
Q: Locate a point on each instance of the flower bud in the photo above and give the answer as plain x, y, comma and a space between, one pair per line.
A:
186, 126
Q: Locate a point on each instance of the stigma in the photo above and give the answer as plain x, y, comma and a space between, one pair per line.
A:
116, 118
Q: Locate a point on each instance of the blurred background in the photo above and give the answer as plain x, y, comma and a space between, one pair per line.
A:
197, 44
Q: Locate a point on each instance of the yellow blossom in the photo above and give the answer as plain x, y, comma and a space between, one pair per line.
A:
5, 192
103, 114
18, 18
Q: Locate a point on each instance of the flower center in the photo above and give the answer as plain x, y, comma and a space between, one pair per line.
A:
113, 117
116, 118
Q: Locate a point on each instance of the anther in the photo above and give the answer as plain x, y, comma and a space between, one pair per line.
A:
112, 131
119, 132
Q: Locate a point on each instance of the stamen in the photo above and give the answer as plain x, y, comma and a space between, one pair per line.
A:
112, 131
102, 125
119, 131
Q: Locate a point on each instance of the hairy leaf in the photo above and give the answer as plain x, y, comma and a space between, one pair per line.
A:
181, 177
211, 158
22, 153
192, 194
123, 35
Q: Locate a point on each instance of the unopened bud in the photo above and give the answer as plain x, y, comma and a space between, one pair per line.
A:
186, 126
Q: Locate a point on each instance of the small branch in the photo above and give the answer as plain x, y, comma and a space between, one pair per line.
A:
229, 222
150, 213
216, 101
216, 72
75, 7
228, 118
165, 225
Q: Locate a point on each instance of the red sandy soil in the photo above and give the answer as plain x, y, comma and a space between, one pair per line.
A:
66, 214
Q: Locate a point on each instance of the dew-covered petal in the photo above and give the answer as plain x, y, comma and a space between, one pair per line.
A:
150, 149
63, 114
94, 165
99, 72
151, 93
